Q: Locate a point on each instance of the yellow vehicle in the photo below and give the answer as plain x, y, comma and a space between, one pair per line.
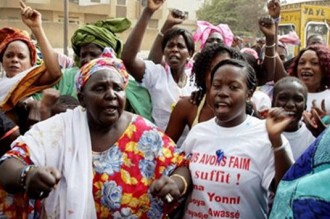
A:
306, 19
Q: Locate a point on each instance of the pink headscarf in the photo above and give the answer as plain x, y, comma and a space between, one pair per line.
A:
251, 52
290, 38
204, 29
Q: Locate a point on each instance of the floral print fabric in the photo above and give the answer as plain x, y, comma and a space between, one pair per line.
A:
123, 173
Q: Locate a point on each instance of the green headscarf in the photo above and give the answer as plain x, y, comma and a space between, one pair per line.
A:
102, 33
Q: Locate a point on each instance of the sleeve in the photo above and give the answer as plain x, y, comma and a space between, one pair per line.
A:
19, 151
153, 74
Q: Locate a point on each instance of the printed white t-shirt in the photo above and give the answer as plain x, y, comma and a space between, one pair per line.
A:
164, 93
299, 140
237, 185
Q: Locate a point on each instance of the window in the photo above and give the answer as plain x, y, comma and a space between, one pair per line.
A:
72, 20
121, 2
318, 28
153, 24
121, 11
284, 29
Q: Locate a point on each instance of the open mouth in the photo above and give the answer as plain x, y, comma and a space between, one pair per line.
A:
111, 109
13, 67
290, 113
173, 58
221, 105
306, 75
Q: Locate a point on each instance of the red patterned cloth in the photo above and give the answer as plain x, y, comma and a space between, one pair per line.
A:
123, 173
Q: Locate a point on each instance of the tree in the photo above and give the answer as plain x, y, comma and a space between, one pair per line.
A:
241, 15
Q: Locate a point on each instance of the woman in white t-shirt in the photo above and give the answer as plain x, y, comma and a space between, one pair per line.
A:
166, 84
312, 66
234, 156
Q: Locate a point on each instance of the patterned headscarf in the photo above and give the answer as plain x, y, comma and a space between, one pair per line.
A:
9, 34
102, 34
108, 61
204, 29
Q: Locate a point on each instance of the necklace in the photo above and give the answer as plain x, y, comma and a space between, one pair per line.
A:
182, 81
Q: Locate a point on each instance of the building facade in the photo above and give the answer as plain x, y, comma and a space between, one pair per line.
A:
89, 11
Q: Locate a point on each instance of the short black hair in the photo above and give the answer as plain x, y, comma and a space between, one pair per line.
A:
246, 68
288, 80
176, 31
204, 59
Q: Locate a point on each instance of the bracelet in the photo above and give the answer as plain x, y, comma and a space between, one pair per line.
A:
271, 46
279, 148
24, 173
160, 33
277, 20
184, 183
270, 57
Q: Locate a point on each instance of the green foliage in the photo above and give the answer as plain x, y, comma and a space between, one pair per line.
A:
240, 15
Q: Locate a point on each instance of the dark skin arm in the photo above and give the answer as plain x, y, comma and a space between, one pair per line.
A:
171, 185
267, 27
276, 122
179, 118
313, 119
38, 179
134, 65
174, 17
274, 10
32, 19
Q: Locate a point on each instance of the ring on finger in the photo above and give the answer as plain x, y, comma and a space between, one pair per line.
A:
169, 198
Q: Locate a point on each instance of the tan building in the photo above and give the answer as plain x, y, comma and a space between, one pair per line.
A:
89, 11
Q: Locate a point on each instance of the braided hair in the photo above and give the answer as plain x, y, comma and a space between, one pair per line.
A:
204, 59
251, 79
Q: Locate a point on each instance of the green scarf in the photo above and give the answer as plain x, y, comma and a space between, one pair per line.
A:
102, 34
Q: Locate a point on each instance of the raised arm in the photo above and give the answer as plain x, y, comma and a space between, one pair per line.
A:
134, 65
174, 17
274, 10
32, 19
267, 27
276, 122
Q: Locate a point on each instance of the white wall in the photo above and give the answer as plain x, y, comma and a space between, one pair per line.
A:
89, 2
186, 5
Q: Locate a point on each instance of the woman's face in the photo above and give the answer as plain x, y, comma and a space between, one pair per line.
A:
104, 98
16, 58
291, 97
309, 70
176, 52
228, 95
218, 58
89, 52
215, 37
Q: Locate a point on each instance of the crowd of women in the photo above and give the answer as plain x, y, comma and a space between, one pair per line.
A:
222, 132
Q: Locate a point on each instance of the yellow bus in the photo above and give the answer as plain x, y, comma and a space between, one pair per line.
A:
306, 19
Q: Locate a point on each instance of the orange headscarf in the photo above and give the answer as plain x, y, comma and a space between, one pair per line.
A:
9, 34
